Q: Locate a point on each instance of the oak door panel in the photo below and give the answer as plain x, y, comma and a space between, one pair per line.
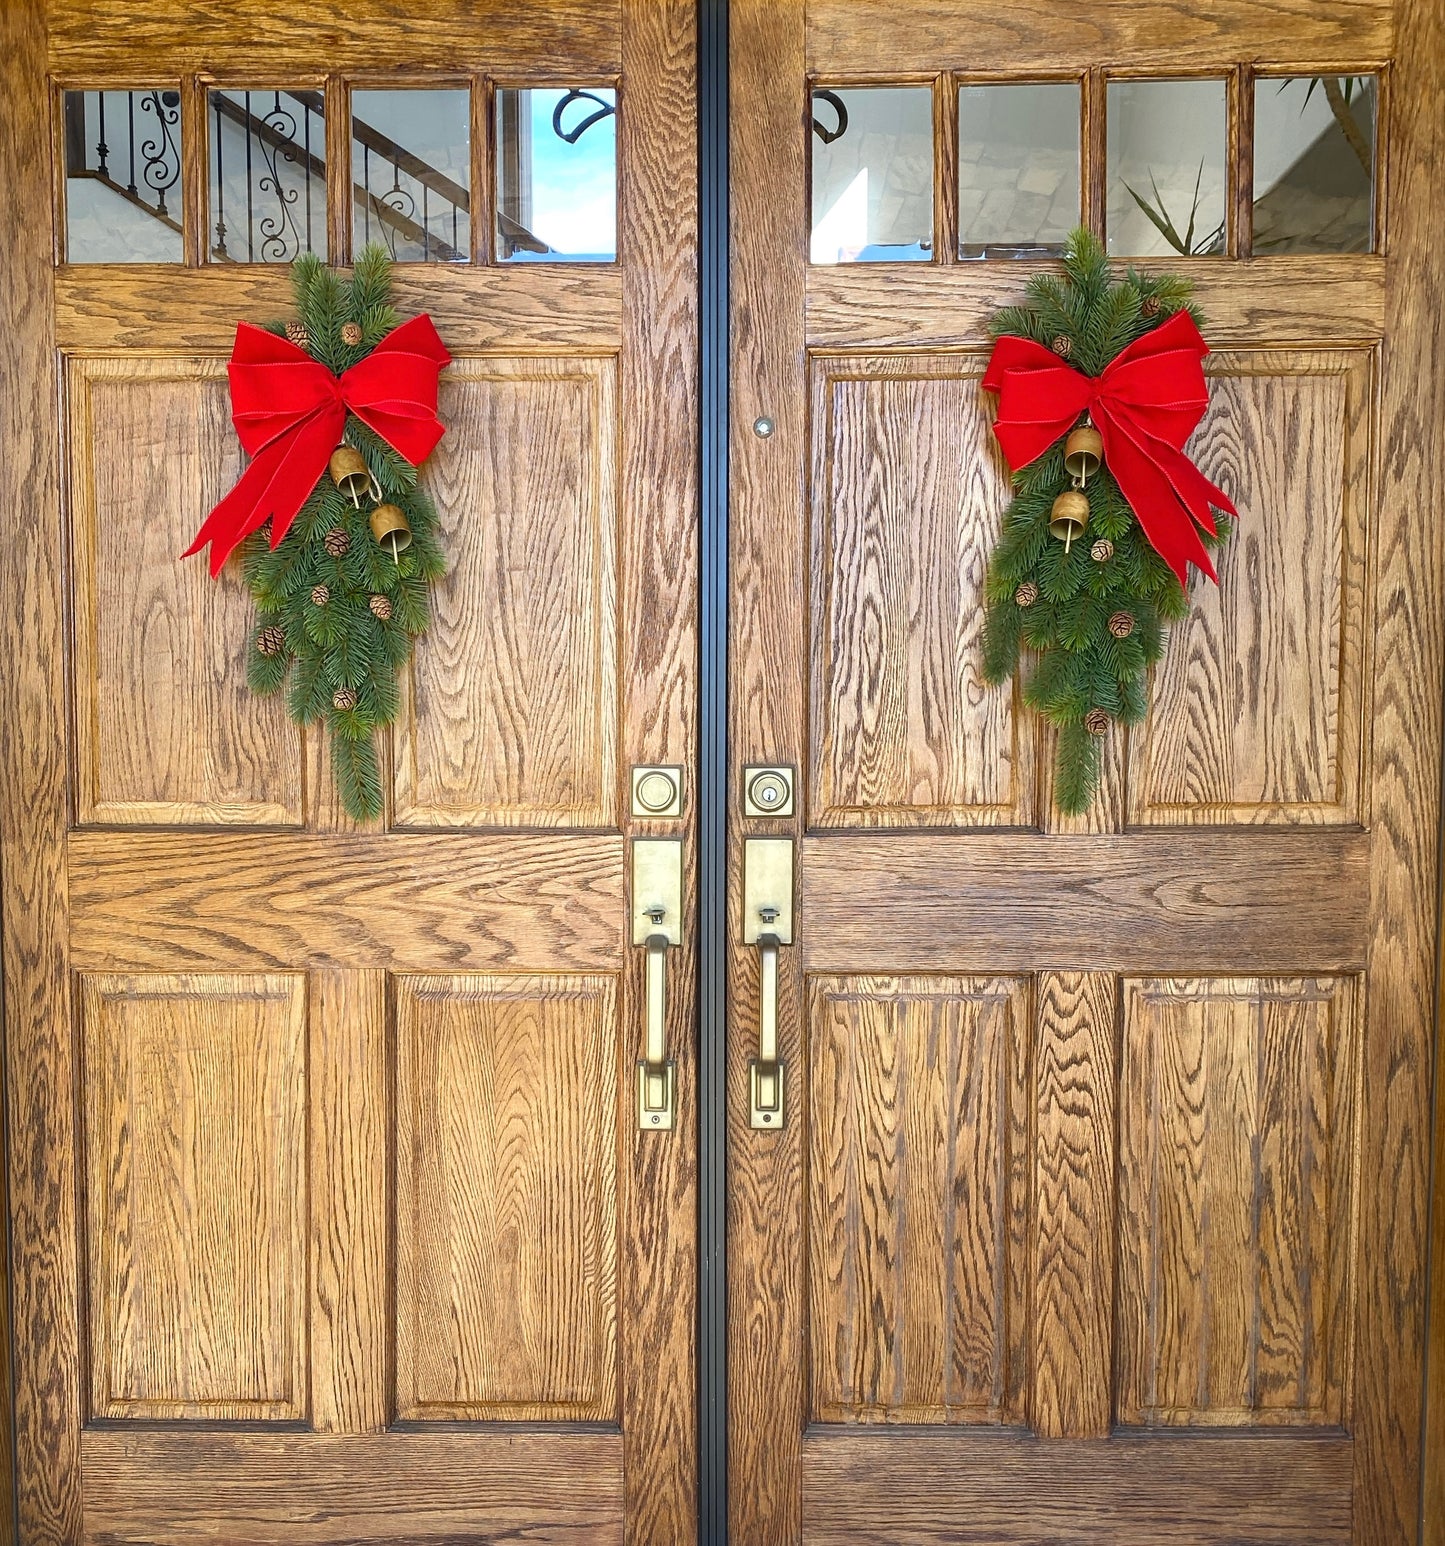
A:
167, 731
920, 1184
196, 1195
1257, 709
1236, 1204
509, 715
507, 1100
907, 496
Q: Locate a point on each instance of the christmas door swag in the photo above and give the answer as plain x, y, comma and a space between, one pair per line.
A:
336, 410
1100, 384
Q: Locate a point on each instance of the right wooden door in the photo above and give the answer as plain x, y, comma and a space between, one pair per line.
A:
1092, 1206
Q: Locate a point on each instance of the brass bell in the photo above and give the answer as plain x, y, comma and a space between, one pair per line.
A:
351, 475
389, 527
1083, 453
1069, 517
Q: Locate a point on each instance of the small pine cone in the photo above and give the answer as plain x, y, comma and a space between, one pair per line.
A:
337, 542
1150, 306
1121, 625
320, 595
296, 332
1096, 722
351, 334
1027, 594
381, 607
1102, 551
271, 641
344, 698
1063, 345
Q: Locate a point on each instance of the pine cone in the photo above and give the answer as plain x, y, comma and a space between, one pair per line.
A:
351, 334
1027, 594
320, 595
381, 607
1151, 306
296, 332
1063, 345
344, 698
1096, 722
338, 542
1102, 551
271, 641
1121, 625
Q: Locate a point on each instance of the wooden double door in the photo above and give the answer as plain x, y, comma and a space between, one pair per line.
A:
1091, 1205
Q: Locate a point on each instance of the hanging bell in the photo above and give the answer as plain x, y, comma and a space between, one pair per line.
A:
1083, 453
1069, 517
352, 476
389, 527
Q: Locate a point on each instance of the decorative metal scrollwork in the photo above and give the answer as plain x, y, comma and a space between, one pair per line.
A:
840, 108
160, 153
603, 110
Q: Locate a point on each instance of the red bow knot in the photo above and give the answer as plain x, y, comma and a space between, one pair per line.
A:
290, 411
1145, 406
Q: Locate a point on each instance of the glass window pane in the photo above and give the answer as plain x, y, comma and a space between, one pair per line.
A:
1314, 164
123, 177
873, 175
268, 176
1018, 169
411, 154
1166, 167
557, 176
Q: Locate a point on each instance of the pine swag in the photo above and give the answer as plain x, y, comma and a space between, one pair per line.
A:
1092, 611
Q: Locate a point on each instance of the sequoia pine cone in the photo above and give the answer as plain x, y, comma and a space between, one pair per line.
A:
1121, 625
271, 641
381, 607
344, 698
296, 332
1063, 345
337, 542
1151, 306
1027, 594
351, 334
320, 595
1102, 551
1096, 722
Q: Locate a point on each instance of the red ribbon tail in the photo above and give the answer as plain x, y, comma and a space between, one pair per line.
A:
1167, 518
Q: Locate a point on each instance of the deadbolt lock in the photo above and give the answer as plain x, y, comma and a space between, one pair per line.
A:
657, 791
767, 791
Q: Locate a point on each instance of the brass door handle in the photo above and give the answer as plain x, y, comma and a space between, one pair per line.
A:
765, 1071
656, 926
768, 924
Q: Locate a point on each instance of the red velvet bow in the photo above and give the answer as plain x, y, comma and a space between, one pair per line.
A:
1145, 406
289, 411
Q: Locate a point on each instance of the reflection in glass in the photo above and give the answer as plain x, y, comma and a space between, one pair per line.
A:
1167, 175
1314, 164
122, 177
1018, 169
872, 175
557, 175
411, 173
268, 176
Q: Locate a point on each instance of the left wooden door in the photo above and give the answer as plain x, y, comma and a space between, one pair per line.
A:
330, 1213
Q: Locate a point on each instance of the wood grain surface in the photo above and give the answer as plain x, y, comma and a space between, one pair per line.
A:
40, 1088
506, 1198
1237, 1146
545, 38
195, 1171
254, 1489
167, 732
907, 497
405, 901
985, 1489
846, 37
1076, 1063
536, 308
919, 1198
1326, 301
509, 712
1257, 709
1261, 902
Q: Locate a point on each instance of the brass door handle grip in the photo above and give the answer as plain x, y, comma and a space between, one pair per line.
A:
765, 1071
655, 1051
656, 1075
